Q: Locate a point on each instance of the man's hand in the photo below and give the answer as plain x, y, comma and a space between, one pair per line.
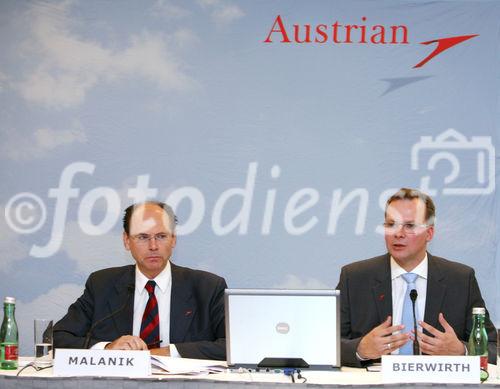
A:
127, 342
164, 351
380, 340
441, 343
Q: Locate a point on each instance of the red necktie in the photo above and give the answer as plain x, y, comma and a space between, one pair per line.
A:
150, 325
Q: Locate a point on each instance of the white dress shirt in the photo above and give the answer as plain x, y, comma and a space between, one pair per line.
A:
162, 291
399, 287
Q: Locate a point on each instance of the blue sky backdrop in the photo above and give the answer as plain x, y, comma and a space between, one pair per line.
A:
186, 97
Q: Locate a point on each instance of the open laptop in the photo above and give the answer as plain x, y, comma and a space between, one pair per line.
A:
282, 328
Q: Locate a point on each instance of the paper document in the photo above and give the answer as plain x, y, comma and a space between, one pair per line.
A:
374, 367
169, 365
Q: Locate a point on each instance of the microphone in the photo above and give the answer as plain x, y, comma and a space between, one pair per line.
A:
416, 346
130, 289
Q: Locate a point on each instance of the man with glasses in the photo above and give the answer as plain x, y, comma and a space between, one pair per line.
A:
156, 305
377, 311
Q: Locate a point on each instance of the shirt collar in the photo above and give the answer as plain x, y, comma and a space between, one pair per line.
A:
163, 280
420, 270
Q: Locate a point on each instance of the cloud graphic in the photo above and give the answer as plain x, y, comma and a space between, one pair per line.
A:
222, 12
51, 305
169, 10
92, 253
185, 38
40, 144
292, 281
11, 248
227, 14
3, 81
68, 66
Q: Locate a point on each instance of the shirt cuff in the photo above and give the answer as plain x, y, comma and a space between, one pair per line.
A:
360, 358
99, 346
173, 351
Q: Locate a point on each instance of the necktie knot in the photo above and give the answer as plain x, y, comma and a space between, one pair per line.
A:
410, 278
150, 287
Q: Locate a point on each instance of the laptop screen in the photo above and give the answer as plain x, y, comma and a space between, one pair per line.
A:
282, 325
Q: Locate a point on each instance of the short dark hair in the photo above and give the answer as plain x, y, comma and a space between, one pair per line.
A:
130, 210
411, 194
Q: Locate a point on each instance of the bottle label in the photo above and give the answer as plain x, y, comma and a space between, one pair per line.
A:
11, 352
484, 362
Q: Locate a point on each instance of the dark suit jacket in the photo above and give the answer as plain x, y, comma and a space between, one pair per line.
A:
366, 301
196, 311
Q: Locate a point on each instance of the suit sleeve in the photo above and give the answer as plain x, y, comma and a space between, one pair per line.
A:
349, 345
476, 300
216, 347
70, 331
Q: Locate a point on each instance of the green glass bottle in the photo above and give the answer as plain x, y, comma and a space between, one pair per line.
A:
9, 336
478, 340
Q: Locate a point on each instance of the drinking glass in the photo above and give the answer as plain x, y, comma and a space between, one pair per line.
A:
43, 343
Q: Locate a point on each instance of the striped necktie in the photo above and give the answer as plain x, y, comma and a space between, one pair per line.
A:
150, 325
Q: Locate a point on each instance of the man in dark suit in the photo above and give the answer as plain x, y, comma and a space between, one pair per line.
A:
155, 304
373, 291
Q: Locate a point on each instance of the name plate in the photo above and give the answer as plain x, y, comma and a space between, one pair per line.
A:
111, 363
432, 369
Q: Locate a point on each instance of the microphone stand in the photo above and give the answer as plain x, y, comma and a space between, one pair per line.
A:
130, 289
416, 346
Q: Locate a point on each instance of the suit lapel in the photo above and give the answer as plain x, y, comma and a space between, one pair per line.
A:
123, 302
436, 289
382, 288
182, 306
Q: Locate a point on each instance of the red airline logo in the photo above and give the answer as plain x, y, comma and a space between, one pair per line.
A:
443, 44
361, 33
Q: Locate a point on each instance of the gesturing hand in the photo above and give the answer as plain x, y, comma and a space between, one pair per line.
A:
381, 341
440, 343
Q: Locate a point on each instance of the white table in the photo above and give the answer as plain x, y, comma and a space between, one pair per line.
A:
361, 378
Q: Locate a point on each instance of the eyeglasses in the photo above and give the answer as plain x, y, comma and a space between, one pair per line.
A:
144, 239
409, 228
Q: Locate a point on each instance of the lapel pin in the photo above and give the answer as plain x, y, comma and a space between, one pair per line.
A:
381, 297
188, 312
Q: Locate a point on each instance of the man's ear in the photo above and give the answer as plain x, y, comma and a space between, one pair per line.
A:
126, 241
430, 233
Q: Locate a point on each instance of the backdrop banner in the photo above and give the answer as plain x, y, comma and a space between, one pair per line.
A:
275, 129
